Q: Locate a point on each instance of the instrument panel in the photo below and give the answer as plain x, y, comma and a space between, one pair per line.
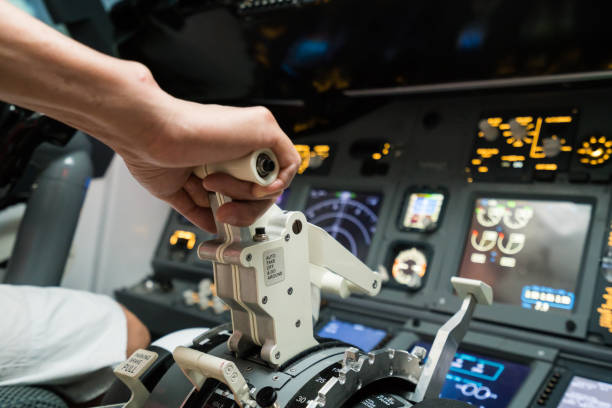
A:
460, 196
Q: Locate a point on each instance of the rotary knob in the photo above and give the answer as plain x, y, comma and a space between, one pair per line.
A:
491, 133
518, 131
551, 146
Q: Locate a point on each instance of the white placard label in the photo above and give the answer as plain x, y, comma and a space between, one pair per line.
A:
273, 266
137, 364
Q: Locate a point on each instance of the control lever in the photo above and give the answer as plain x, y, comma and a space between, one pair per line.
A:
449, 336
264, 272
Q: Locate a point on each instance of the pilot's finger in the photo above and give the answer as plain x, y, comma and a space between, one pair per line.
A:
243, 213
202, 217
232, 187
197, 192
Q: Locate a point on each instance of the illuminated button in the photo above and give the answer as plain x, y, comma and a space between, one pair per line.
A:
507, 262
183, 239
478, 258
595, 151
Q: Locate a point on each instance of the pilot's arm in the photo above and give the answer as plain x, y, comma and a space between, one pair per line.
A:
56, 335
161, 138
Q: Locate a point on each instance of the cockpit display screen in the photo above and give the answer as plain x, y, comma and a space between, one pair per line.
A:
584, 392
485, 382
423, 211
364, 337
350, 217
529, 251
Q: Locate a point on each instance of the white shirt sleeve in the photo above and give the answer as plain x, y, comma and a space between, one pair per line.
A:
55, 335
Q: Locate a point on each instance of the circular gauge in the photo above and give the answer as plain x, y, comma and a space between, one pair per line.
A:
409, 268
490, 215
349, 217
512, 244
518, 217
483, 242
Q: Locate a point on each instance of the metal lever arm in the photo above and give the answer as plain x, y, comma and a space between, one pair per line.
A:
198, 367
449, 336
327, 256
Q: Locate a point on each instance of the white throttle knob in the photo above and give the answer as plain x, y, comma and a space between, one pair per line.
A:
260, 167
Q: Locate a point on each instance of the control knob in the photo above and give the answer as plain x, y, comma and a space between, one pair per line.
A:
518, 131
551, 146
491, 133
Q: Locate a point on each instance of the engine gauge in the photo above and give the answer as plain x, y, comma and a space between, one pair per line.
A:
407, 263
490, 213
423, 210
517, 217
409, 268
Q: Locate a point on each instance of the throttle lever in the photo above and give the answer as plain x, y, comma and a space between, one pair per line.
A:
259, 167
449, 336
266, 278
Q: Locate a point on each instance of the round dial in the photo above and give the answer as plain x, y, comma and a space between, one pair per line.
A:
512, 244
410, 267
490, 133
518, 217
551, 146
519, 132
350, 218
489, 216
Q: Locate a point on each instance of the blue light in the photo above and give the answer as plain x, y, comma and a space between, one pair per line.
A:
471, 38
366, 338
499, 368
307, 52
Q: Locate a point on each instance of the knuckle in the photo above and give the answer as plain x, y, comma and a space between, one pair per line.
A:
267, 128
296, 159
142, 73
264, 114
284, 183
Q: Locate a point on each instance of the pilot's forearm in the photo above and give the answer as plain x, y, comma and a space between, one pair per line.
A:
43, 70
161, 138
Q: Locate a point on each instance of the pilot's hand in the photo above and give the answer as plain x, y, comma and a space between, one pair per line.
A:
161, 138
185, 134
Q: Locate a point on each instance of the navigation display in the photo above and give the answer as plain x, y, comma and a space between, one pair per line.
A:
484, 382
350, 217
529, 251
364, 337
422, 211
583, 392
